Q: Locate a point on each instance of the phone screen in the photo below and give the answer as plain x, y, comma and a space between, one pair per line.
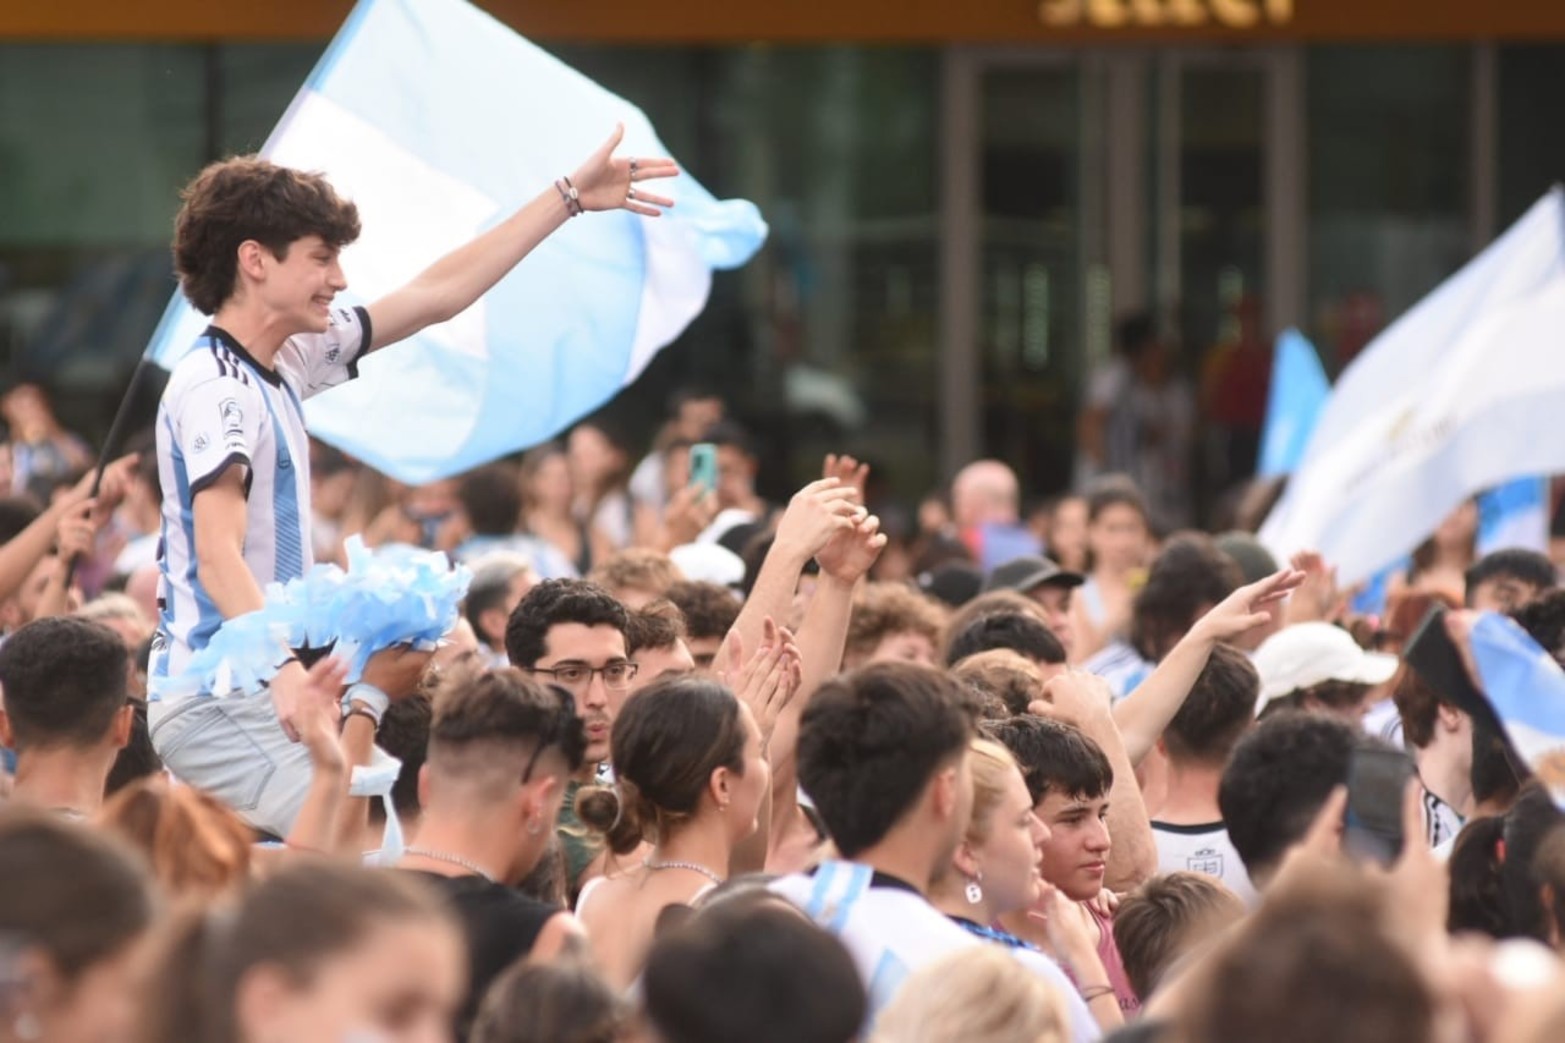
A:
703, 466
1377, 778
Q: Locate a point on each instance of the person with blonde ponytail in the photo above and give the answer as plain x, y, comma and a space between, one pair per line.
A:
691, 778
996, 871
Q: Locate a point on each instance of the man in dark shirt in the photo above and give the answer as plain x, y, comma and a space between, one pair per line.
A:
501, 750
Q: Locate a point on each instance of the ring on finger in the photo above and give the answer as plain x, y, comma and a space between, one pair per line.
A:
630, 194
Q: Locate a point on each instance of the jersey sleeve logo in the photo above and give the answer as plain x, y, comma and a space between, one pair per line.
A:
233, 417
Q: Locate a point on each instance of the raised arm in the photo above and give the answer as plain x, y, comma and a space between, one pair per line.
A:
1142, 716
815, 514
19, 555
453, 283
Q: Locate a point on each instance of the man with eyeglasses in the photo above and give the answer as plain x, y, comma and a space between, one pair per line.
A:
571, 633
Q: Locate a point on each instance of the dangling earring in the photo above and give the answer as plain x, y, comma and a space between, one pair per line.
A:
975, 894
26, 1026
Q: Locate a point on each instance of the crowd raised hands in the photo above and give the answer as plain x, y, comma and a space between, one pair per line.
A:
1022, 834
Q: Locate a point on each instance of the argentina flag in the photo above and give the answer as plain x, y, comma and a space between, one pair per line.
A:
1461, 394
439, 122
1526, 687
1298, 393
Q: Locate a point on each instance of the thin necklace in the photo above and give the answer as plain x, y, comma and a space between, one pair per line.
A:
693, 867
456, 860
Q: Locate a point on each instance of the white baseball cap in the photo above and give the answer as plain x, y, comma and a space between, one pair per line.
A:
708, 563
1306, 654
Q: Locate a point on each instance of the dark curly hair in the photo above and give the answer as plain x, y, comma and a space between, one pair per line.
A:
246, 198
553, 602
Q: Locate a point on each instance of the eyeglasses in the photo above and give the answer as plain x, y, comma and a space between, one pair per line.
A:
579, 675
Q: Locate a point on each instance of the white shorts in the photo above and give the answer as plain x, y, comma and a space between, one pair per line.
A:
235, 749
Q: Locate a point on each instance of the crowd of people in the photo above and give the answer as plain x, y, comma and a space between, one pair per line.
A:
693, 767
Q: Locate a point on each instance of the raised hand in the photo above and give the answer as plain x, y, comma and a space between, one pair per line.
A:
603, 182
690, 510
850, 554
818, 512
1074, 697
397, 670
769, 679
77, 532
1318, 598
846, 470
318, 717
1244, 609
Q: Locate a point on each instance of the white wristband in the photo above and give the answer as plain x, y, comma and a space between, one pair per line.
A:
373, 699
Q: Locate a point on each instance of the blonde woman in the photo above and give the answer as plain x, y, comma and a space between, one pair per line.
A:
996, 872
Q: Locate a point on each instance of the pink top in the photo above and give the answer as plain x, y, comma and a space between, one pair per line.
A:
1108, 952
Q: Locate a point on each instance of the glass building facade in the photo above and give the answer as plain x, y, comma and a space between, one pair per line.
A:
955, 229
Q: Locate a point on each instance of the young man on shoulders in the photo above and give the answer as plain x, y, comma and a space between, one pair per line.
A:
256, 247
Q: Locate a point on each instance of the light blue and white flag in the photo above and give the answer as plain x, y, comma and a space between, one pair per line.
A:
1462, 393
1526, 687
439, 122
1515, 514
1298, 393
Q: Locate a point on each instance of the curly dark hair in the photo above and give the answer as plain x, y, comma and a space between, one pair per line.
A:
65, 682
557, 601
246, 198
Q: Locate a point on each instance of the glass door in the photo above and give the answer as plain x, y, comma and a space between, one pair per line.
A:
1215, 218
1040, 223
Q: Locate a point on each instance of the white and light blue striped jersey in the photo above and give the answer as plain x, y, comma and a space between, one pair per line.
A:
891, 931
223, 409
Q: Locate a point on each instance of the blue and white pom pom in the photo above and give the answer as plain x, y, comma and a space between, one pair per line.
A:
394, 596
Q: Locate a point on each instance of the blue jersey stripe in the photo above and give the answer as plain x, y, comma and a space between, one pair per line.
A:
289, 529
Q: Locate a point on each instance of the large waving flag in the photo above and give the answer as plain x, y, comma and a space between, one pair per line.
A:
1298, 393
1462, 393
439, 122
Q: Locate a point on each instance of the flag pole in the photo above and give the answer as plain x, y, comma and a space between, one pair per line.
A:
115, 440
